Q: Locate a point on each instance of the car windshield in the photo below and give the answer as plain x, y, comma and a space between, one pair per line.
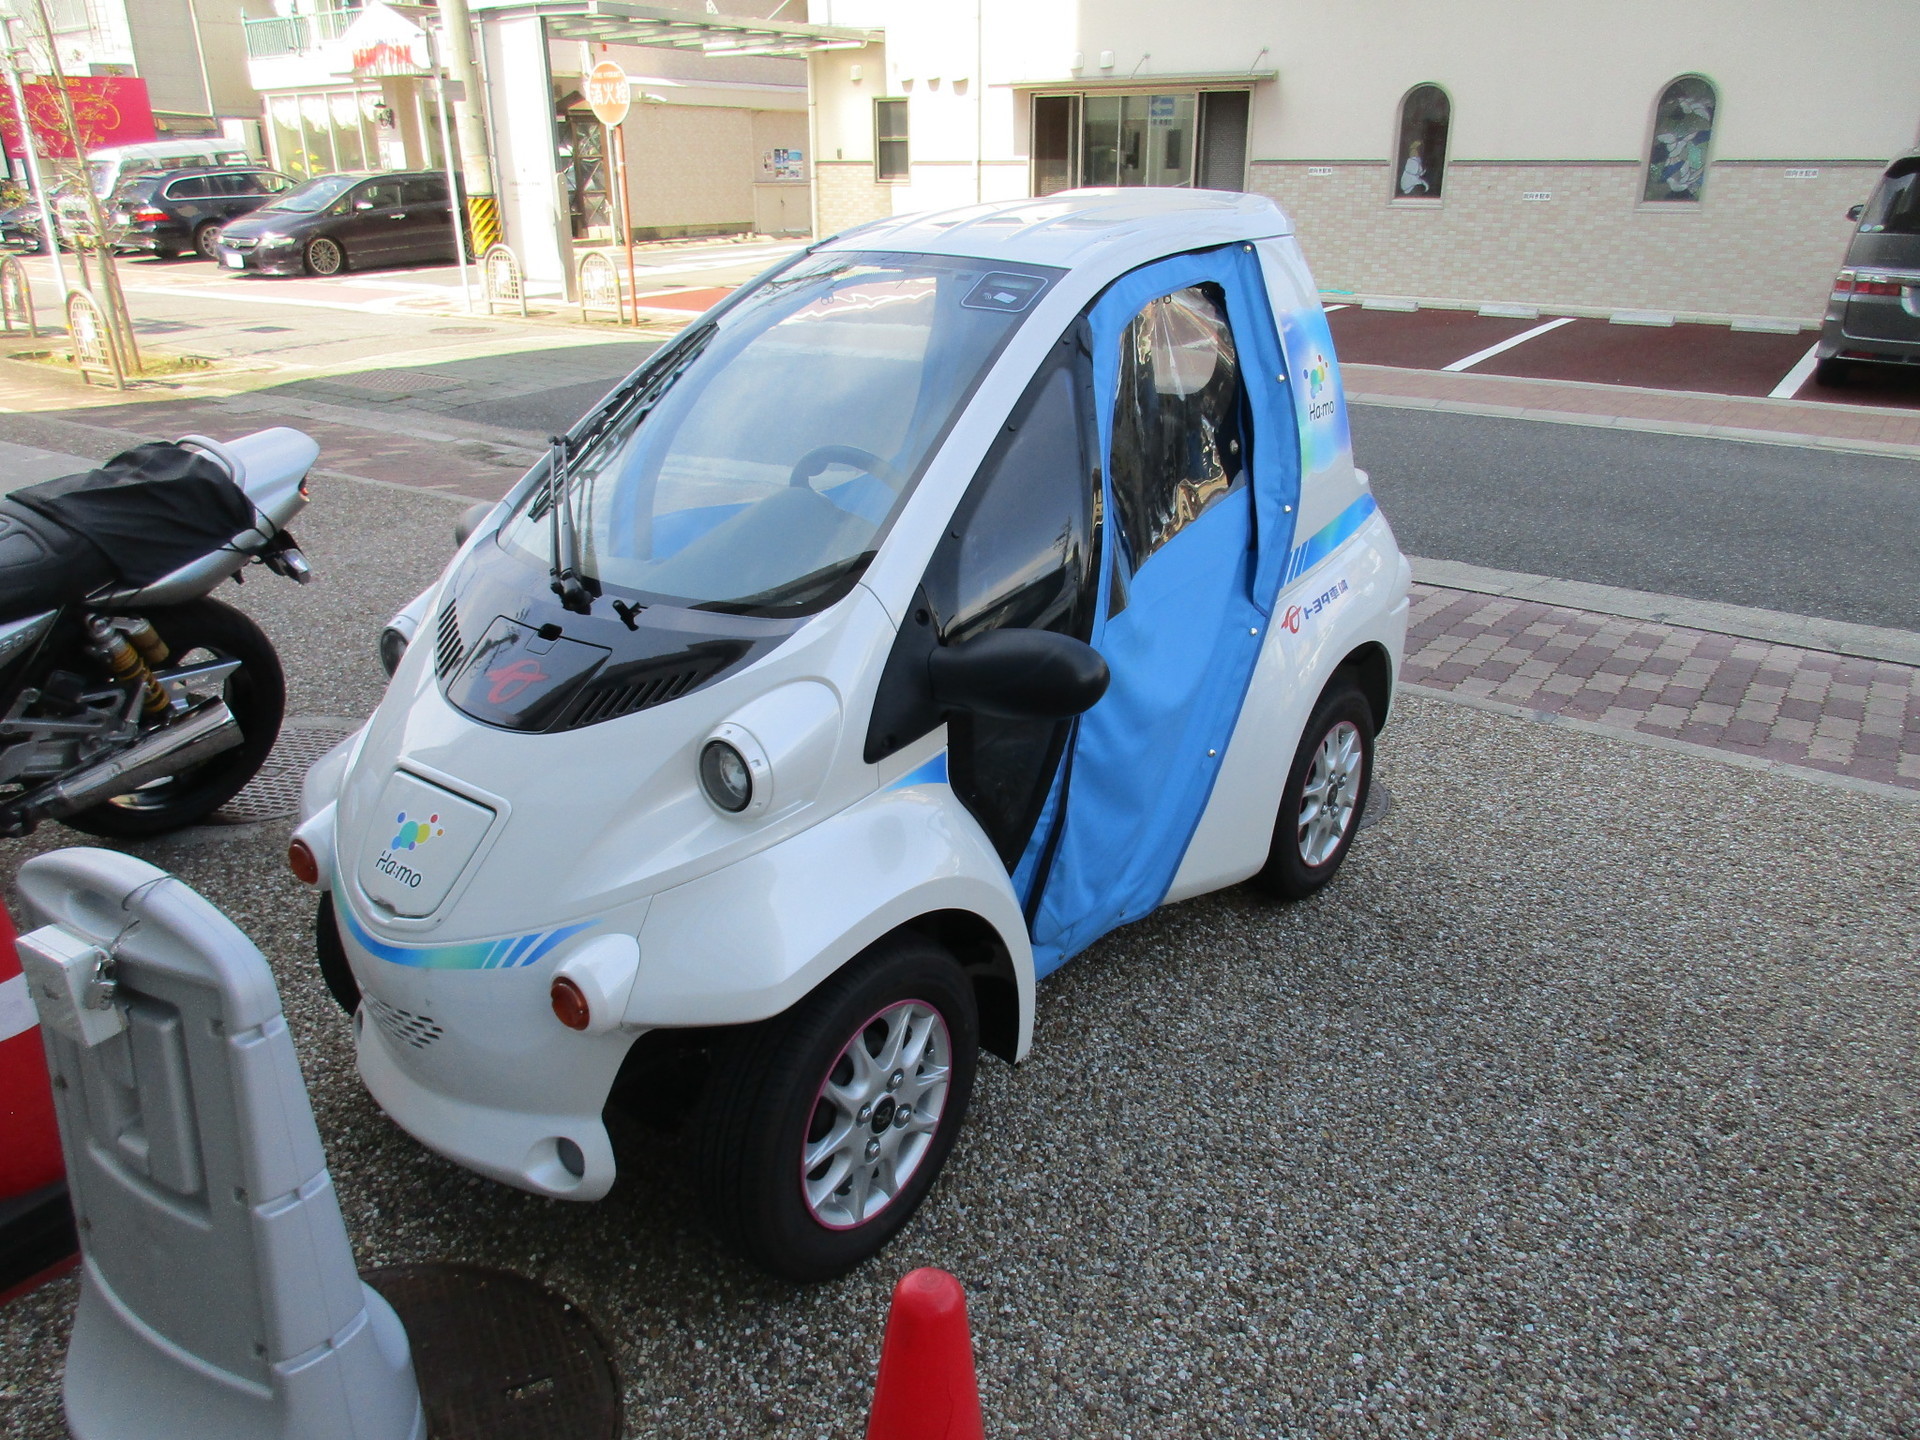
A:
315, 195
755, 466
1895, 207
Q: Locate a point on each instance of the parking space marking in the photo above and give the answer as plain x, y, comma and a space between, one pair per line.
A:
1467, 362
1791, 382
1329, 309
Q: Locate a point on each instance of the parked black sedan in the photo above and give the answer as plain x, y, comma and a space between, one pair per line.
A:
334, 221
182, 210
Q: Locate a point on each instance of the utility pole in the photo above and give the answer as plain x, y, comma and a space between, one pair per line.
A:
469, 117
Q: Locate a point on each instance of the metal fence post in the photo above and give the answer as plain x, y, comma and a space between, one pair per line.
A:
501, 278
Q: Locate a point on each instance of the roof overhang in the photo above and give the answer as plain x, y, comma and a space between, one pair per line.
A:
616, 22
1195, 79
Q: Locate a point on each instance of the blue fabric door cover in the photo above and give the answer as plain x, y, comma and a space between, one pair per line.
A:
1183, 649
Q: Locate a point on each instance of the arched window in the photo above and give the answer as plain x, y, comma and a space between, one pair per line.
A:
1420, 162
1682, 131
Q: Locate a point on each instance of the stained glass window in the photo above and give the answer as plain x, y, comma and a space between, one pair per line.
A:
1682, 131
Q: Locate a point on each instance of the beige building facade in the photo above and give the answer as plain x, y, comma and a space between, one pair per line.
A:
1562, 154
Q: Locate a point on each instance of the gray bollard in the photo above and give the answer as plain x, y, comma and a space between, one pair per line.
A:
218, 1295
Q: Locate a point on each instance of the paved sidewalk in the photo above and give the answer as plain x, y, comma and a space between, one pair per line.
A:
1681, 412
1775, 703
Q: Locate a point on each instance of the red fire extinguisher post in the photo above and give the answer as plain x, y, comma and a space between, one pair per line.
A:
36, 1225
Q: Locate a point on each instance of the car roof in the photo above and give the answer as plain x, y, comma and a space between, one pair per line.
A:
1077, 227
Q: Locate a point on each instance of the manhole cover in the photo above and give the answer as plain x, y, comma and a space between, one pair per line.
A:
396, 381
275, 791
163, 327
461, 330
498, 1356
1379, 805
266, 329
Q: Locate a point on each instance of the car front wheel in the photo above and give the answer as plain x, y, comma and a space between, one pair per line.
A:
1325, 797
325, 257
823, 1129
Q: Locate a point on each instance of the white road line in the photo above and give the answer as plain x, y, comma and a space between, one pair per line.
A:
1329, 309
1791, 382
1467, 362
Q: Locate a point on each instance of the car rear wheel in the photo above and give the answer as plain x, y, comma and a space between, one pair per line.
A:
821, 1131
1325, 797
325, 257
1832, 371
206, 238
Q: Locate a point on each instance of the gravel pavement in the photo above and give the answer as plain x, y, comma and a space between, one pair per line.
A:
1583, 1104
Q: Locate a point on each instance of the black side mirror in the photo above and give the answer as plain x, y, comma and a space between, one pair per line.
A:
1854, 212
469, 521
1018, 675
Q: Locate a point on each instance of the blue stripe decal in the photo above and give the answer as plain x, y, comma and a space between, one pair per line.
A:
510, 953
1323, 542
934, 772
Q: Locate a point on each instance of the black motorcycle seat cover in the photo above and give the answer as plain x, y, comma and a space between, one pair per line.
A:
143, 514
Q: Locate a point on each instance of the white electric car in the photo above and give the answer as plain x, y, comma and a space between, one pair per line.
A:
965, 587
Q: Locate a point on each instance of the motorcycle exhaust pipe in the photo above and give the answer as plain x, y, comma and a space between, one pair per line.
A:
197, 736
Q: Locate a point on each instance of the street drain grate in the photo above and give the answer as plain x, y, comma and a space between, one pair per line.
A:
499, 1357
462, 330
275, 791
1379, 805
396, 381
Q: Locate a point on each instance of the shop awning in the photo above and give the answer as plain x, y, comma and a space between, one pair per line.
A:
614, 22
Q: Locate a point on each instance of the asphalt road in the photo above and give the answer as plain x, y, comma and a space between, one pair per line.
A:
1773, 526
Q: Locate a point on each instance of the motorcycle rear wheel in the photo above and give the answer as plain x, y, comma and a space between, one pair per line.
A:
256, 693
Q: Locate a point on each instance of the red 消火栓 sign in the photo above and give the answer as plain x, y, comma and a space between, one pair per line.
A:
110, 110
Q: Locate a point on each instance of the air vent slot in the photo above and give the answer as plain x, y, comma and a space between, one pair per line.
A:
449, 651
627, 689
403, 1027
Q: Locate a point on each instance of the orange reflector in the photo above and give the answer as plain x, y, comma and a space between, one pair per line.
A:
569, 1005
301, 860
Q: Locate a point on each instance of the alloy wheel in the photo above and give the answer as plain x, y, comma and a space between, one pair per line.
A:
1332, 790
876, 1114
324, 257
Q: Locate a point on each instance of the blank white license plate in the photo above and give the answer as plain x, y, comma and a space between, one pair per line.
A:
234, 262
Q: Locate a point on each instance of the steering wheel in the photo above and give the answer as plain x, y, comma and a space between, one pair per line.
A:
821, 456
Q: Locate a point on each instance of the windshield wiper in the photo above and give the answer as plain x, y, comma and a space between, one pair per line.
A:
565, 546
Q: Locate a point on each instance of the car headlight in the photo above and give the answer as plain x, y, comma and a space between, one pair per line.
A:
725, 777
270, 238
735, 772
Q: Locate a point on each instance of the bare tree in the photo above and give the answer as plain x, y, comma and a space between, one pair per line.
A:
78, 136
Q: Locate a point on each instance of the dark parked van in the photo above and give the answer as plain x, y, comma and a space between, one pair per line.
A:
1873, 314
182, 210
336, 221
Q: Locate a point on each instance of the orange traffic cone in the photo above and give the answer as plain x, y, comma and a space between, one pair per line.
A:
926, 1389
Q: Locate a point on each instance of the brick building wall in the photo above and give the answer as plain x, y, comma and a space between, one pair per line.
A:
846, 195
1759, 244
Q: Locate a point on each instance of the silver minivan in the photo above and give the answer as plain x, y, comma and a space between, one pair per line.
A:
1873, 312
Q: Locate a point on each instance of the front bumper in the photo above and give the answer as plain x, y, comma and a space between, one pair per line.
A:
280, 260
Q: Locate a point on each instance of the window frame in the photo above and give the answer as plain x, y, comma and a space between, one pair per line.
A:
1436, 195
1676, 204
881, 174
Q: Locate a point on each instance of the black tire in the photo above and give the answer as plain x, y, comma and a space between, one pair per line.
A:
205, 238
163, 252
325, 256
257, 695
1832, 370
766, 1101
332, 956
1296, 865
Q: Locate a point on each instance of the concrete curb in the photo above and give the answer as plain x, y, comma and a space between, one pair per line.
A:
1887, 449
1874, 788
1777, 627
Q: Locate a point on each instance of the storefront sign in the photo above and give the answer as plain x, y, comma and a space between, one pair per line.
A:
111, 110
384, 43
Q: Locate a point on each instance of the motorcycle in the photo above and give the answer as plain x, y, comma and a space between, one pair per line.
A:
131, 702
